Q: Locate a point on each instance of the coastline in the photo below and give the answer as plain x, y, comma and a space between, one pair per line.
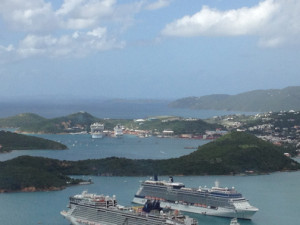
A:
33, 189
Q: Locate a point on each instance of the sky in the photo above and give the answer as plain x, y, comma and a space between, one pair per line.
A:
147, 49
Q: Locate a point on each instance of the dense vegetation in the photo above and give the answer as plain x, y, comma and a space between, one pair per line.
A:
28, 122
12, 141
20, 120
33, 174
72, 123
179, 126
253, 101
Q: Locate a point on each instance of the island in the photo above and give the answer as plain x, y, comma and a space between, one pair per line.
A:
237, 153
12, 141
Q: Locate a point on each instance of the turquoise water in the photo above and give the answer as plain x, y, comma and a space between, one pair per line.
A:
276, 195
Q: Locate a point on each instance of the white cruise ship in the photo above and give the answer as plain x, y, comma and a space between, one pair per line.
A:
93, 209
97, 130
118, 131
215, 201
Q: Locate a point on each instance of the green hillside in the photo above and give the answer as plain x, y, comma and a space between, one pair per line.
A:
27, 173
28, 122
238, 152
252, 101
180, 126
12, 141
20, 120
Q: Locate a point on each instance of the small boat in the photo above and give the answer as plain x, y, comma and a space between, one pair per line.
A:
190, 147
234, 221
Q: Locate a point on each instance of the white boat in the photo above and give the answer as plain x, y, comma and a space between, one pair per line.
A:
234, 221
97, 130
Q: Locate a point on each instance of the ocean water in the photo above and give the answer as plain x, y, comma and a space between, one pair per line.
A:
106, 109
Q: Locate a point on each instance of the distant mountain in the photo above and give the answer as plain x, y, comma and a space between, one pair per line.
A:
252, 101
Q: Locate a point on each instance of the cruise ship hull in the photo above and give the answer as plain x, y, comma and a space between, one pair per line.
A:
97, 135
83, 215
220, 211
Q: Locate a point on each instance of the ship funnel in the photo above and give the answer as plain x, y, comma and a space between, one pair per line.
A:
171, 179
217, 184
155, 178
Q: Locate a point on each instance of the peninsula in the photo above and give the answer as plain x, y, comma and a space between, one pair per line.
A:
12, 141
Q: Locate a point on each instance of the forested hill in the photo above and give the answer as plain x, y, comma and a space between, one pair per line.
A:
253, 101
29, 122
12, 141
27, 173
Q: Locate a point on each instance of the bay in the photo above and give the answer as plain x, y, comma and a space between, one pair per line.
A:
84, 147
276, 195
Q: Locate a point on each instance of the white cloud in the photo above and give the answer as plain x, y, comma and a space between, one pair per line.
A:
275, 22
31, 15
158, 4
80, 14
78, 44
73, 28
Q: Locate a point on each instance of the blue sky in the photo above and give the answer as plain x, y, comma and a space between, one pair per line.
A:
147, 48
